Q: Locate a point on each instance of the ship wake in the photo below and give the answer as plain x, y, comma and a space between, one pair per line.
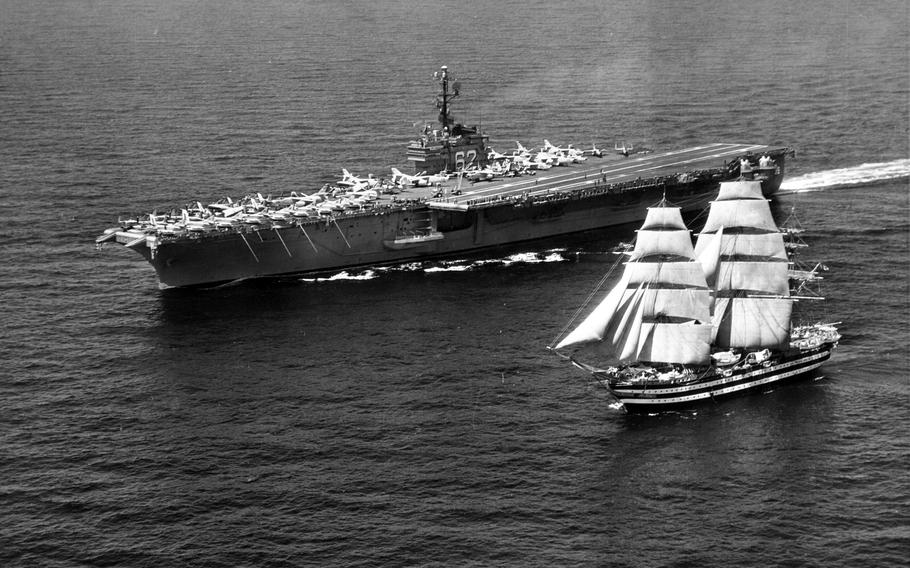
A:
462, 265
519, 258
855, 176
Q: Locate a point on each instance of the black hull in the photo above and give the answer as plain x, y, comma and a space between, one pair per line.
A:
716, 386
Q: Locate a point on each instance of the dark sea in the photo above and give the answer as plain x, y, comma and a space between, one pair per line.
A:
413, 416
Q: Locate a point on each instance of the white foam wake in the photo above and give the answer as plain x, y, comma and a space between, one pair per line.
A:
345, 275
520, 258
554, 255
863, 174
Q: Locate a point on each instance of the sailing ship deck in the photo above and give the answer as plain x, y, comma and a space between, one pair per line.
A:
611, 169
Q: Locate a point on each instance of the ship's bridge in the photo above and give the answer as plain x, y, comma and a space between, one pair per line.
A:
434, 152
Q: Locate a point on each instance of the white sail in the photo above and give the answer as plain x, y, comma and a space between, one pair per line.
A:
677, 303
663, 218
718, 315
593, 327
688, 274
753, 277
741, 189
672, 242
755, 323
633, 331
753, 214
707, 251
685, 344
626, 342
683, 303
761, 245
619, 325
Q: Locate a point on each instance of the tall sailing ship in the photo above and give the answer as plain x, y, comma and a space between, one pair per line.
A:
685, 325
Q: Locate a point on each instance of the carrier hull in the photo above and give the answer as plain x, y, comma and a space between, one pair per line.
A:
457, 219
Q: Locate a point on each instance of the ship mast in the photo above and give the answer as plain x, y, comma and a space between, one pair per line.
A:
442, 101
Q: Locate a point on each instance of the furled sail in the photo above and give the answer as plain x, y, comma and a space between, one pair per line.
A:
660, 311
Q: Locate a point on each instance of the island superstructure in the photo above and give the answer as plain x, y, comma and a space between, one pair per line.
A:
462, 198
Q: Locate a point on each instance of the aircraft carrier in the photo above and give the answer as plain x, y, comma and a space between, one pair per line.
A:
363, 222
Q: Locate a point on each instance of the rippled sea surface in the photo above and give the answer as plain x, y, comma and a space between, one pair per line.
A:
413, 417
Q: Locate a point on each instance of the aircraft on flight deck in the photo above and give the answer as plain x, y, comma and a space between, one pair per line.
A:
353, 181
419, 180
564, 156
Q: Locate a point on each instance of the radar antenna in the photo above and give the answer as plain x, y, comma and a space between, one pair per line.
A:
442, 100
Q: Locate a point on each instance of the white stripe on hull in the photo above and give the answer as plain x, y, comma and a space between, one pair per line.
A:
656, 397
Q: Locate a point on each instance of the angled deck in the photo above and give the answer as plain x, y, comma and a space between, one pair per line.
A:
605, 170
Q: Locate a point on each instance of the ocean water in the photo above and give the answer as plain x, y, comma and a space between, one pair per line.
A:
412, 416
